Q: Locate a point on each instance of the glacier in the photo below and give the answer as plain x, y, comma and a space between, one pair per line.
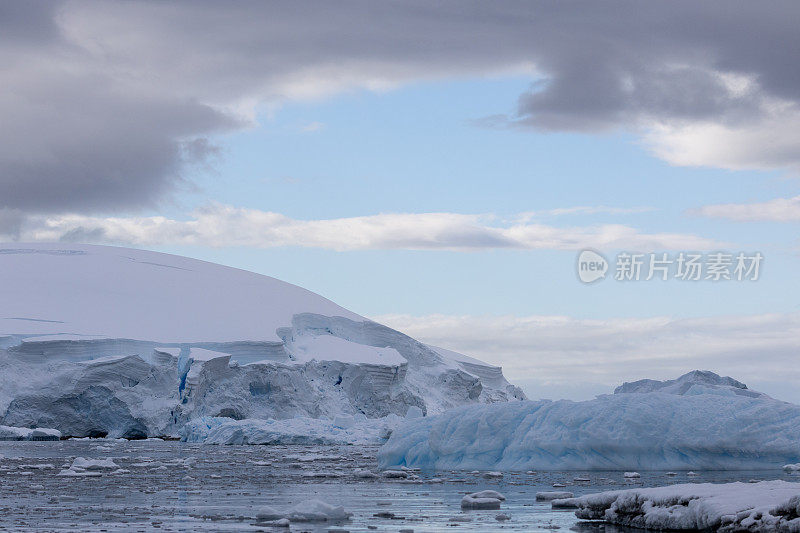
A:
699, 421
102, 341
298, 430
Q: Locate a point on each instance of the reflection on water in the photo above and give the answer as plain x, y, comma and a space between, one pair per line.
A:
171, 486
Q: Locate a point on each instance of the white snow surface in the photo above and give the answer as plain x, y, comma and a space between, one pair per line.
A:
713, 428
766, 506
105, 341
122, 293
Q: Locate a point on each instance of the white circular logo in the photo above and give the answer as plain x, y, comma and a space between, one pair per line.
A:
591, 266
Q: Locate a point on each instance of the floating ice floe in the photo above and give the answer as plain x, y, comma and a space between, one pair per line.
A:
90, 467
307, 511
485, 499
550, 495
17, 433
767, 506
700, 421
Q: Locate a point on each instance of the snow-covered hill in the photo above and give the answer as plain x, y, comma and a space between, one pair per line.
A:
699, 421
97, 340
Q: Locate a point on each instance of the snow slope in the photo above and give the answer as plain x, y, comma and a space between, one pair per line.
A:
714, 427
765, 506
100, 340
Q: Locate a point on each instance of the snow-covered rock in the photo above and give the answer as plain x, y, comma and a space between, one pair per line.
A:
16, 433
98, 341
766, 506
712, 428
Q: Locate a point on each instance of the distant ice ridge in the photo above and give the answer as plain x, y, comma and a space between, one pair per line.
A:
699, 421
765, 507
695, 382
102, 341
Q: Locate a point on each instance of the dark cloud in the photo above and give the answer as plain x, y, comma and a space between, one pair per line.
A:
103, 103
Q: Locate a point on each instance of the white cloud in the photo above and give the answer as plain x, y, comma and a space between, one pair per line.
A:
769, 141
551, 354
221, 225
777, 210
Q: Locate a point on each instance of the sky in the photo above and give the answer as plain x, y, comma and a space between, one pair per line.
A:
437, 167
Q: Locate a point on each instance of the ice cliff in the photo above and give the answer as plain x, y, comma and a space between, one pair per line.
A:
699, 421
99, 340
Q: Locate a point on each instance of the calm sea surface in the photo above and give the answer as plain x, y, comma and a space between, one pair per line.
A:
172, 486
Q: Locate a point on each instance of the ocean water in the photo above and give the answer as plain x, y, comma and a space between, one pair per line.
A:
172, 486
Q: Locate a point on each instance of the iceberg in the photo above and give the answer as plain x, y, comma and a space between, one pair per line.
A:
99, 341
700, 421
766, 506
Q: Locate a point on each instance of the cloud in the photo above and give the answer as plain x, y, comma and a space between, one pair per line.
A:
777, 210
553, 353
102, 102
220, 225
587, 210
